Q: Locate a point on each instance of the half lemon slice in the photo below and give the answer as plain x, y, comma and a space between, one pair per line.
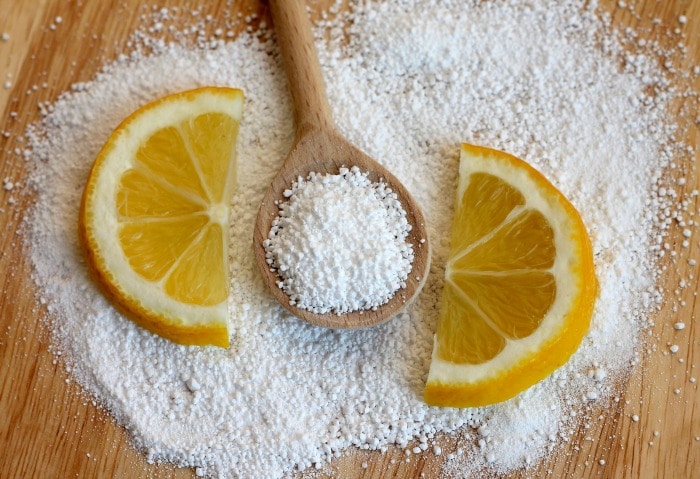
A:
519, 288
154, 218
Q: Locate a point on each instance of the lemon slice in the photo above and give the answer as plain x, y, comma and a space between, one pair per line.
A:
154, 218
519, 284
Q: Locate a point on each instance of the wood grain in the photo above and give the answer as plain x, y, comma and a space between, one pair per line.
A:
296, 42
48, 430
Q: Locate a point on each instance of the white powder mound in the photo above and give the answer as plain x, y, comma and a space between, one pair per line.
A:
339, 243
409, 82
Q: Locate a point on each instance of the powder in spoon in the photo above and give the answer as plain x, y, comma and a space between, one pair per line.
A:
339, 243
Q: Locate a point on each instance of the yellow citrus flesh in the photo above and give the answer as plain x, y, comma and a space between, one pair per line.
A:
520, 284
154, 218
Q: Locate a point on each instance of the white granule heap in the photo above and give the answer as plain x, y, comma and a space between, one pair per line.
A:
339, 243
543, 80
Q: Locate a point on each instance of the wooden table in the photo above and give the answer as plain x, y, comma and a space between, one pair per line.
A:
47, 430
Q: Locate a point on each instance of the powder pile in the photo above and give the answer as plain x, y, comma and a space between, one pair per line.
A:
339, 243
530, 78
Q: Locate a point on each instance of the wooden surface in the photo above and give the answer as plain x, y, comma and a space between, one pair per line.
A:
47, 430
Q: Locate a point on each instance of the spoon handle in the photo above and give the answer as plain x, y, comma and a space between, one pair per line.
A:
300, 59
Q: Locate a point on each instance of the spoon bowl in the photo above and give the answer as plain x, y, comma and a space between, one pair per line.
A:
319, 147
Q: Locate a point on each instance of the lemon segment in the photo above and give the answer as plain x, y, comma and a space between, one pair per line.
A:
519, 287
154, 218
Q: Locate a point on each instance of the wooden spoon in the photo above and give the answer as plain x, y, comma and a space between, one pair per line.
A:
320, 148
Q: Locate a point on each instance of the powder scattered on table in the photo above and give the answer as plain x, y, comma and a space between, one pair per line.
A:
539, 79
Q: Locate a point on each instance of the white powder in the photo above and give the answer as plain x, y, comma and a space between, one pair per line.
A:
339, 243
539, 79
